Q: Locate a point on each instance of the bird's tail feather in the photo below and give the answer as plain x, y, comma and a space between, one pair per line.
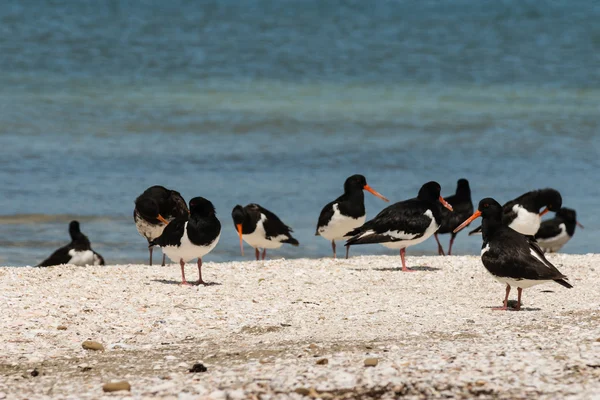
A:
563, 283
291, 241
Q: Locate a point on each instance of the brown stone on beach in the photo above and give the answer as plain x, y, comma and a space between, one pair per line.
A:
116, 386
371, 362
61, 328
91, 345
322, 361
302, 391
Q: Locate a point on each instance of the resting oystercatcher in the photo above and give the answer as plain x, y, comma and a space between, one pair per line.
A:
261, 229
512, 258
186, 238
345, 213
556, 232
405, 223
78, 252
462, 206
154, 209
523, 213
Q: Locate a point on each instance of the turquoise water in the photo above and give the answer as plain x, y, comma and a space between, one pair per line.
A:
278, 102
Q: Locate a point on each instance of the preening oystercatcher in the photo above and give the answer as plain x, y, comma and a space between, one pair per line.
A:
405, 223
523, 213
462, 206
261, 229
556, 232
186, 238
345, 213
512, 258
78, 252
154, 209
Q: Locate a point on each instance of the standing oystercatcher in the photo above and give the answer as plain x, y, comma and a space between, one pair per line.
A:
261, 229
345, 213
523, 213
405, 223
556, 232
462, 206
512, 258
78, 252
154, 209
186, 238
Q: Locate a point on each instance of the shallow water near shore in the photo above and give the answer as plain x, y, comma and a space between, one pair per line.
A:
278, 104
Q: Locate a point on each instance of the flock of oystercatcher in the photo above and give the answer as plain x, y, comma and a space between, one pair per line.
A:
514, 236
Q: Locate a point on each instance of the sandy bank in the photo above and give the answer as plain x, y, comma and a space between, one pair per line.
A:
260, 329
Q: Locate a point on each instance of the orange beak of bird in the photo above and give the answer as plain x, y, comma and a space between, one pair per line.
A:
472, 218
162, 219
578, 224
239, 230
544, 211
374, 193
445, 203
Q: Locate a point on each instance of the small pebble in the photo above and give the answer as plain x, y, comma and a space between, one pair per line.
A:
91, 345
322, 361
35, 372
371, 362
198, 367
116, 386
61, 328
302, 391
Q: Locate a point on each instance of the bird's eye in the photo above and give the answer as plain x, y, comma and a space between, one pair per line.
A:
486, 205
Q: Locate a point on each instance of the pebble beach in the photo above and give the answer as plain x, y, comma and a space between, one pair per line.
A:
305, 328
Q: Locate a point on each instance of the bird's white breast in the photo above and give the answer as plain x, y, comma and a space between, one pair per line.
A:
82, 258
148, 230
407, 240
340, 224
526, 222
187, 250
553, 244
258, 238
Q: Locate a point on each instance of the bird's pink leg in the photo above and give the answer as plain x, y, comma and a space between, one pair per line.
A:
257, 254
347, 251
183, 281
519, 291
150, 249
505, 306
440, 248
264, 254
200, 281
404, 269
451, 243
333, 247
163, 263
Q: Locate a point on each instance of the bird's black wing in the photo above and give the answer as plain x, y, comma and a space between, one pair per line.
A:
60, 256
401, 221
178, 207
171, 235
462, 209
102, 262
273, 225
325, 216
203, 231
548, 229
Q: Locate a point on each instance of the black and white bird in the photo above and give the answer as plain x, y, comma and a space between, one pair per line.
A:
154, 209
345, 213
405, 223
78, 252
462, 206
261, 229
524, 214
513, 259
188, 237
556, 232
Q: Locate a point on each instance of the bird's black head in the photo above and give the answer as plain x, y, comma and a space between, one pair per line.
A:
463, 188
567, 214
490, 208
549, 198
201, 207
355, 183
74, 228
238, 214
430, 192
147, 208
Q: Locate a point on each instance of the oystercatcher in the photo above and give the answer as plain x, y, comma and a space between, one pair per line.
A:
186, 238
462, 206
523, 213
261, 229
405, 223
78, 252
556, 232
154, 209
512, 258
345, 213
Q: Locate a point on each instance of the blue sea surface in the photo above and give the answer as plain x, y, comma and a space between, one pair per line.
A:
277, 102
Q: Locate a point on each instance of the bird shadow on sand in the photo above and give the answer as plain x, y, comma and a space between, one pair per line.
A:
397, 269
172, 282
511, 307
